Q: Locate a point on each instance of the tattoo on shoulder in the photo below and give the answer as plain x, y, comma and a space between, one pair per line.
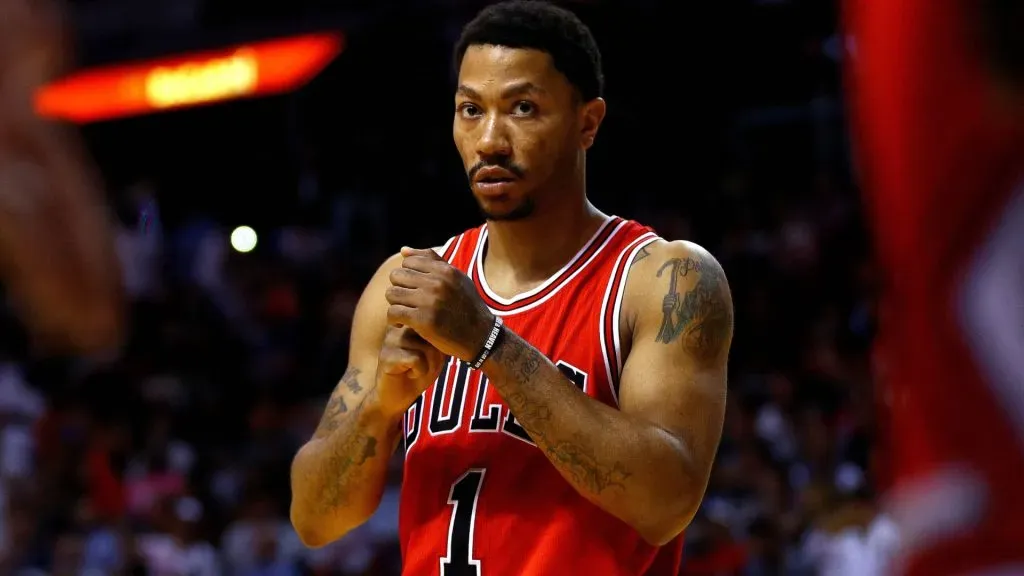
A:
643, 253
337, 406
702, 317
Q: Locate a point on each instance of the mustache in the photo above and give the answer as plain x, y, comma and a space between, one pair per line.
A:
502, 162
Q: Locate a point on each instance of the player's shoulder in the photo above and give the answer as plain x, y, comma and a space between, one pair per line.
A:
390, 263
680, 283
676, 267
686, 259
394, 261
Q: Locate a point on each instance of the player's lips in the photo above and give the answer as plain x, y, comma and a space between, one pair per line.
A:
494, 189
493, 181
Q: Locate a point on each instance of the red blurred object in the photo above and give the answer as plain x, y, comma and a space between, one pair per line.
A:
941, 149
257, 69
281, 302
106, 492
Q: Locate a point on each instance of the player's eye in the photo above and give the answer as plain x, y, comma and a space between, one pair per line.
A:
467, 110
524, 108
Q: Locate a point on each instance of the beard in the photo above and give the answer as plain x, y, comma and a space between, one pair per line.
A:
521, 212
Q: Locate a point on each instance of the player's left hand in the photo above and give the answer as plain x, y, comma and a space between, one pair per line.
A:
440, 303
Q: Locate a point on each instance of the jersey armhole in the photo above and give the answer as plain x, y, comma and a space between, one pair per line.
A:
611, 310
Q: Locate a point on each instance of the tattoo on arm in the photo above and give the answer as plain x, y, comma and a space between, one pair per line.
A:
643, 253
702, 318
337, 406
575, 455
351, 380
342, 464
354, 447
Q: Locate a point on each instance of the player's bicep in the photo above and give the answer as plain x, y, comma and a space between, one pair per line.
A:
369, 324
675, 373
685, 401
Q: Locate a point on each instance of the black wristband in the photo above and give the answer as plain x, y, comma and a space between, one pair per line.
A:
497, 331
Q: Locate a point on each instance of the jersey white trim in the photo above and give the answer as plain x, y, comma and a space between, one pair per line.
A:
551, 279
632, 249
992, 311
471, 268
557, 288
446, 405
617, 311
442, 249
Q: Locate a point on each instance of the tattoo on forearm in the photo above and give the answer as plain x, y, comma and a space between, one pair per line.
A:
575, 455
337, 406
354, 447
331, 419
702, 318
342, 465
351, 380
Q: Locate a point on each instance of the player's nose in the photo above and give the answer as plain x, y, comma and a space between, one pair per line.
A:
493, 139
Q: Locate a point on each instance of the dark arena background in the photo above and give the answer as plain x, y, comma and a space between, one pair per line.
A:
726, 126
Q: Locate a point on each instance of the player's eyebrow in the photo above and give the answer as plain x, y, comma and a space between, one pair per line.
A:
468, 92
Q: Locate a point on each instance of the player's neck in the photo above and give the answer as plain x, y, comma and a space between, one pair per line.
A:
532, 249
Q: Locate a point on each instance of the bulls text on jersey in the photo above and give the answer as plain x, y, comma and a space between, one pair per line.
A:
448, 407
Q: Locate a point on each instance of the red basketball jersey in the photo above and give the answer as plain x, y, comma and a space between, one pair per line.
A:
944, 173
478, 497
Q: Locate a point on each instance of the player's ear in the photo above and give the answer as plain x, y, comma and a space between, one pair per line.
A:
591, 115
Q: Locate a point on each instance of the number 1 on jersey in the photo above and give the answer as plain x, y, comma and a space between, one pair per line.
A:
465, 492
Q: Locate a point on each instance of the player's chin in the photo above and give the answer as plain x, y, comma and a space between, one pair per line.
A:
505, 207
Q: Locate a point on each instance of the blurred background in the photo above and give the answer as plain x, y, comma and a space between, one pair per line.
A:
726, 127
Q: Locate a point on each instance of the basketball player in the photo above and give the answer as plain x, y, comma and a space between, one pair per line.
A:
57, 258
940, 122
557, 375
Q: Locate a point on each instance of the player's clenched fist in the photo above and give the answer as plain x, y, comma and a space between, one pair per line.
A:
407, 365
440, 302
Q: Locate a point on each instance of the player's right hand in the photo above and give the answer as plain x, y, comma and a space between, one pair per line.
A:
407, 365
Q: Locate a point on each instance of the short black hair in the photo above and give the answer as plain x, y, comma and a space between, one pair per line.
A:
540, 26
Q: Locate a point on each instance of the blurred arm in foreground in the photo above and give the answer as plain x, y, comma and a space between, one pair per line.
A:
57, 256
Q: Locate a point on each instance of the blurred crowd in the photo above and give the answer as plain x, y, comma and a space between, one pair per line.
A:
171, 455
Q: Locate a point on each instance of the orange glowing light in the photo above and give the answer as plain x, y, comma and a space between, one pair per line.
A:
257, 69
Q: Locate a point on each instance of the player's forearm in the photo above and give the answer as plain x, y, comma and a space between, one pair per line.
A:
56, 245
632, 469
338, 477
